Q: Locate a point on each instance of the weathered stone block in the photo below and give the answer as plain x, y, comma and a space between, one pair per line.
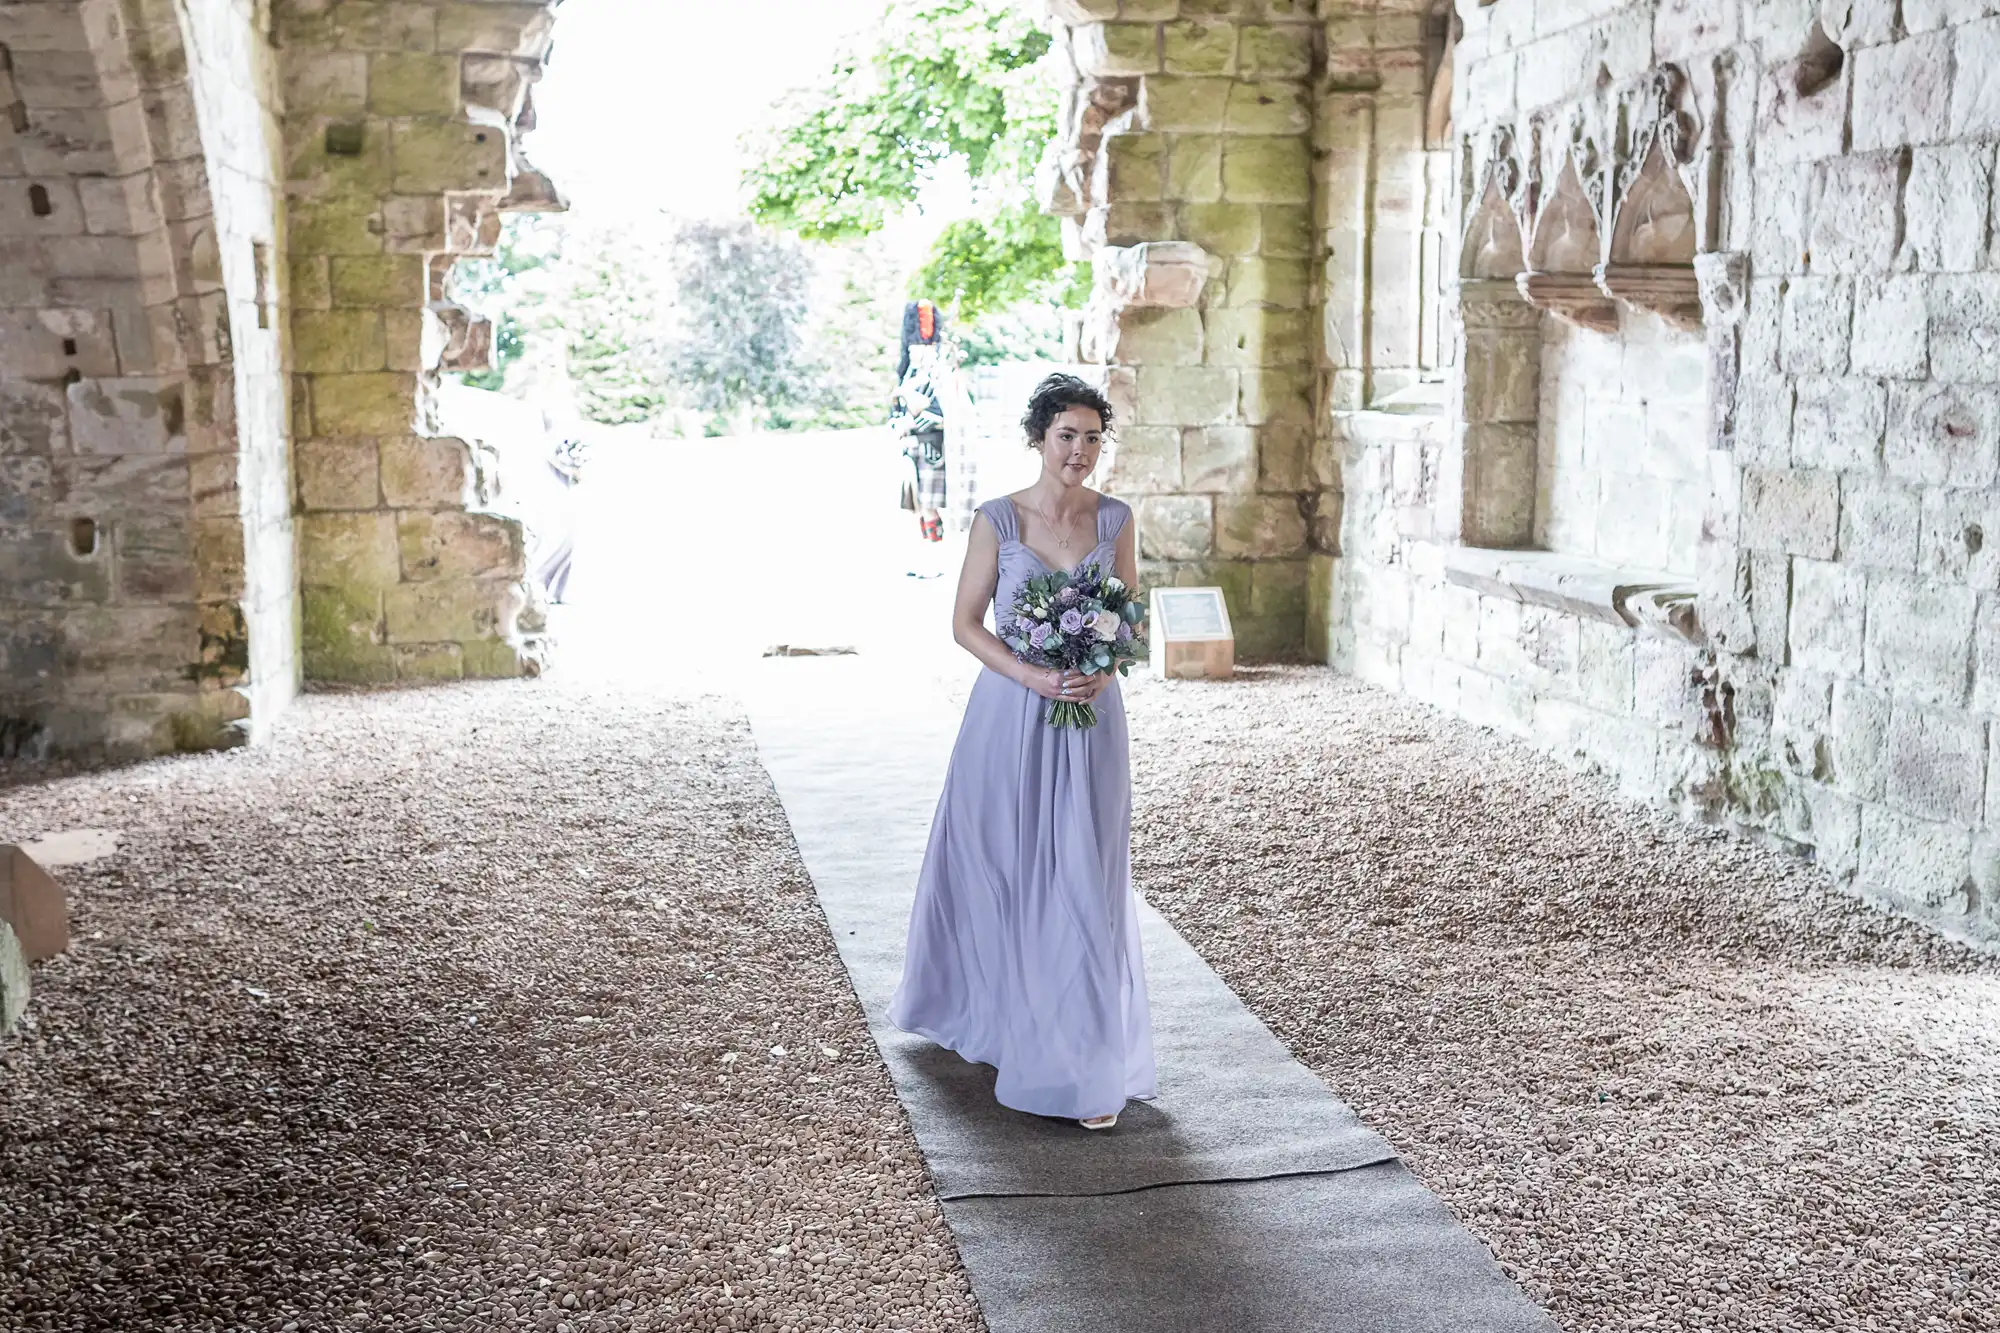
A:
1854, 224
33, 418
1975, 93
1879, 523
1817, 319
1794, 511
1185, 106
1158, 337
1132, 168
348, 550
1965, 326
1945, 206
1219, 458
363, 404
1276, 397
1955, 546
1902, 92
325, 82
1110, 50
1192, 46
1284, 283
461, 609
1986, 656
1186, 396
1829, 613
1147, 461
1275, 51
1920, 638
1222, 229
1278, 590
1267, 108
438, 155
1259, 526
1257, 336
1914, 864
1266, 170
1937, 764
411, 84
1194, 168
454, 544
386, 281
1890, 328
1284, 460
429, 661
1176, 527
495, 28
420, 472
1286, 232
1943, 434
1838, 424
1858, 743
1764, 421
127, 416
337, 474
338, 341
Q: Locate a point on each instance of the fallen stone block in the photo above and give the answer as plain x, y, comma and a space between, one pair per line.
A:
31, 903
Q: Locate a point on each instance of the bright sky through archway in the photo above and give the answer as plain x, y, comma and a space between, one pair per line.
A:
645, 102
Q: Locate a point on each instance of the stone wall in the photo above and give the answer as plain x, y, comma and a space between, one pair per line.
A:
1809, 188
1185, 172
400, 124
122, 626
223, 224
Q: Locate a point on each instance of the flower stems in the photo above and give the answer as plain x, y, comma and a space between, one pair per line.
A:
1064, 713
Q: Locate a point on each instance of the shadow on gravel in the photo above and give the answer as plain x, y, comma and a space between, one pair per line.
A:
500, 1007
1673, 1078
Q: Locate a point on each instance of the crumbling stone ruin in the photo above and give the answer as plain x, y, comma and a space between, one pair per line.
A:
1618, 374
224, 231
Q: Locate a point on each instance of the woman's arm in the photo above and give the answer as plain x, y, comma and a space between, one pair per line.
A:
976, 583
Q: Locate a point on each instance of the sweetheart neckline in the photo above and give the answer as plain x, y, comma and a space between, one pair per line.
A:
1057, 569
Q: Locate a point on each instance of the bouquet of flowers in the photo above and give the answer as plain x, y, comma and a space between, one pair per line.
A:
1086, 621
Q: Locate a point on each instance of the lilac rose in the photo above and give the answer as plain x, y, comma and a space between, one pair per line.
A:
1124, 632
1039, 635
1072, 621
1068, 595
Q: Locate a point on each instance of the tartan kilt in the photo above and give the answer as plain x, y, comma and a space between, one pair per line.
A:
930, 492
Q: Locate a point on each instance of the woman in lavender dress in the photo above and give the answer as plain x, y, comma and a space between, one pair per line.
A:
1024, 942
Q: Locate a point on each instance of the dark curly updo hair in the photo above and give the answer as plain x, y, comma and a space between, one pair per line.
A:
1056, 395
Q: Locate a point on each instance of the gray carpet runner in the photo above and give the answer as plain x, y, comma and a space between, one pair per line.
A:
1247, 1197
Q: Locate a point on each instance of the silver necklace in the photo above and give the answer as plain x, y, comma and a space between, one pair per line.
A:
1061, 535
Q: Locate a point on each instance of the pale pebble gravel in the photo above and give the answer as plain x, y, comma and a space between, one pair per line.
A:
482, 1007
1672, 1079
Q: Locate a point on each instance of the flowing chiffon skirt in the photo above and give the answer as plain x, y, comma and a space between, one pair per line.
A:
1024, 941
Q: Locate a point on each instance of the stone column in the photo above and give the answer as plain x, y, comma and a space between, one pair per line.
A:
1188, 121
400, 131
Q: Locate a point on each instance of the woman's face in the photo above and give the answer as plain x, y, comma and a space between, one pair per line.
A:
1071, 446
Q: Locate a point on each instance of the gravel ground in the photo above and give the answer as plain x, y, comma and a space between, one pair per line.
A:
488, 1007
1672, 1079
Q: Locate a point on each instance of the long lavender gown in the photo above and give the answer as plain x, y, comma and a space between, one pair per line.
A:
1024, 941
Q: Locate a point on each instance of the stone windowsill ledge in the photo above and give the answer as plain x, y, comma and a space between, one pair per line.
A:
1651, 600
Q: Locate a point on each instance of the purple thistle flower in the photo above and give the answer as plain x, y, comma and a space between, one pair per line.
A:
1072, 621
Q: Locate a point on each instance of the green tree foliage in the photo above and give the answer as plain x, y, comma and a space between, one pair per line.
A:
612, 329
743, 295
947, 79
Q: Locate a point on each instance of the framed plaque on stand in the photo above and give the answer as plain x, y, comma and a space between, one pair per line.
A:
1192, 639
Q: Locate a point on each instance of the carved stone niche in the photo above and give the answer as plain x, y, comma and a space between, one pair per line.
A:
1650, 263
1563, 258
